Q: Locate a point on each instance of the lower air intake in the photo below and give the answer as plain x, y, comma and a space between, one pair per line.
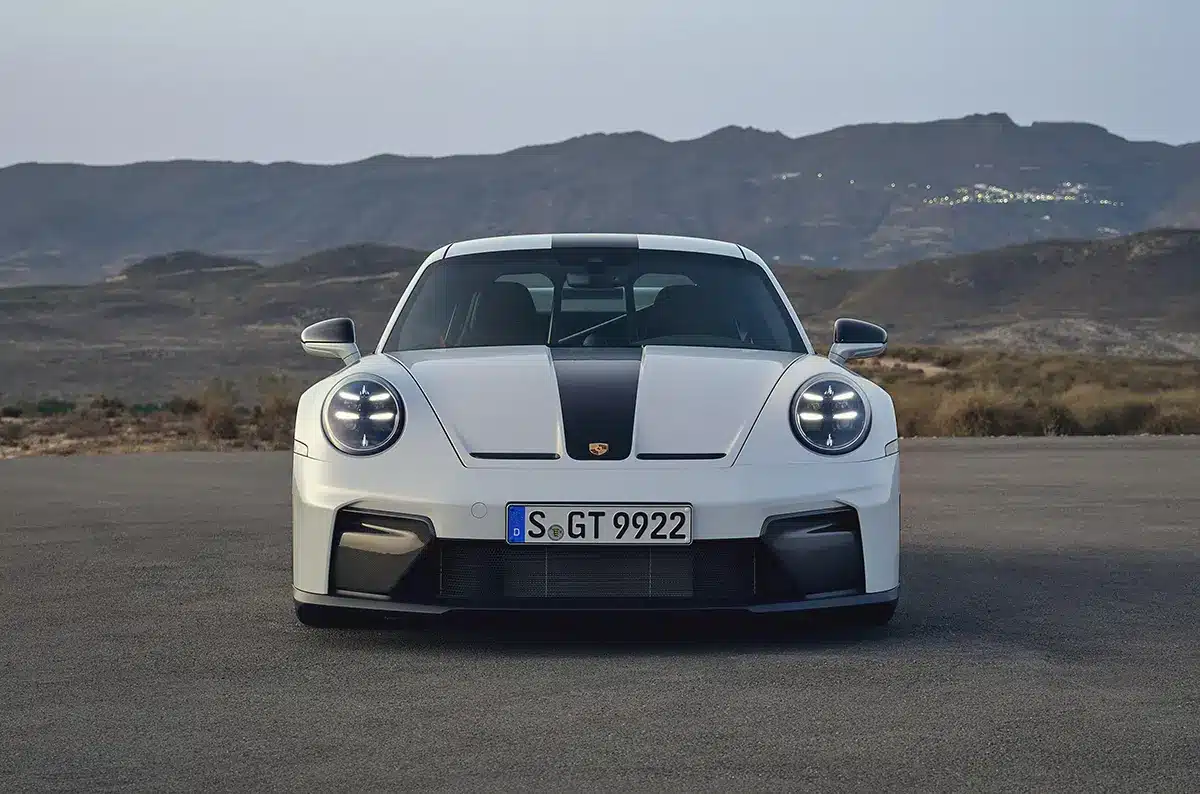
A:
706, 571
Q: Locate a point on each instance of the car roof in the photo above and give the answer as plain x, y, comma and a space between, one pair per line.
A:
656, 242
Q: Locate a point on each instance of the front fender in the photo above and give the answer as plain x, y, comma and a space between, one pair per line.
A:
771, 441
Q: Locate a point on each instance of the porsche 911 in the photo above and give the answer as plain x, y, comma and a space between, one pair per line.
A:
594, 422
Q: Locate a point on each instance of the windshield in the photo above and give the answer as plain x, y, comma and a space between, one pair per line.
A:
594, 298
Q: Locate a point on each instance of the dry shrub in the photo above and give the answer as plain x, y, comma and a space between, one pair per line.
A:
218, 410
985, 412
11, 433
941, 407
154, 424
997, 392
906, 353
950, 359
993, 411
83, 425
276, 412
1056, 419
183, 406
1177, 412
915, 405
10, 412
109, 407
1109, 412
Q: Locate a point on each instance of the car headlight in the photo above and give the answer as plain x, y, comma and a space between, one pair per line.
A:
363, 415
830, 415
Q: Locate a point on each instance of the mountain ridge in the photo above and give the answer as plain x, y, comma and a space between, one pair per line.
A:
863, 195
999, 117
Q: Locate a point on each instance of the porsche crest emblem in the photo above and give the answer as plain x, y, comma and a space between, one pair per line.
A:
597, 448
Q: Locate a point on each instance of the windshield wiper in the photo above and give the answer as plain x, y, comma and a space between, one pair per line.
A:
586, 331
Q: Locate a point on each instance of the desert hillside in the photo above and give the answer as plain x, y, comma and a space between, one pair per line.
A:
864, 196
172, 322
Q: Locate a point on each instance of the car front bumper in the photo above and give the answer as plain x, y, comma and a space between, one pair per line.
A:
765, 539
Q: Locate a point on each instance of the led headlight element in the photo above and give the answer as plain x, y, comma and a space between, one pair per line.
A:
830, 415
363, 415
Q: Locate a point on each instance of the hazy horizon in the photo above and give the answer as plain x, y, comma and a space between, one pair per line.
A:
137, 80
260, 161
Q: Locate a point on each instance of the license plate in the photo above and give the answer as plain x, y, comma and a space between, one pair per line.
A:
604, 524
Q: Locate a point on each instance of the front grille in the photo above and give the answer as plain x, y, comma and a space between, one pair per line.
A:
714, 572
796, 557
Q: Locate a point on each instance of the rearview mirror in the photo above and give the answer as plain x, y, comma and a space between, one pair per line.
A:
856, 339
331, 339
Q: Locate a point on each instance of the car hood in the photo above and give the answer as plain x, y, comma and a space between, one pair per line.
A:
665, 403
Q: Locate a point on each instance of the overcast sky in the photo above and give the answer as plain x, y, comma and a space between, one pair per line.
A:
110, 81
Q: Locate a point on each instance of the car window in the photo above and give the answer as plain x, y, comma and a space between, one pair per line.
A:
597, 298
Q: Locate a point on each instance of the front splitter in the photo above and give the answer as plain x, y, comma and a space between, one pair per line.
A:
379, 605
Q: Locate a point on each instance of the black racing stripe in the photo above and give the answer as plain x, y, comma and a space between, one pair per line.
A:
593, 241
597, 389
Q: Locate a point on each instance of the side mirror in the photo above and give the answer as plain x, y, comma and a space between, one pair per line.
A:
331, 339
856, 339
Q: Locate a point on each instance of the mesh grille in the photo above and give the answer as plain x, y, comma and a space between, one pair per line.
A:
707, 571
796, 556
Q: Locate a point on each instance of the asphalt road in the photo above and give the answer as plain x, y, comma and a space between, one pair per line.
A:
1047, 640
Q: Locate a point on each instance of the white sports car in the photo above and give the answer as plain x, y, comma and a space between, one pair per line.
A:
594, 421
